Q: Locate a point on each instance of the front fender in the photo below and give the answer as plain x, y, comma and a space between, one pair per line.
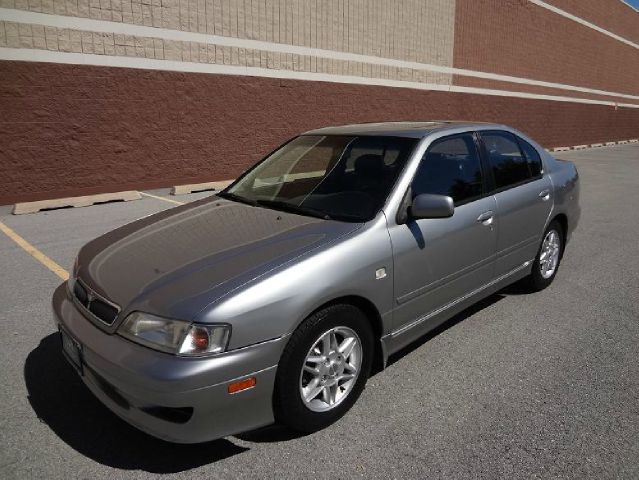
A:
275, 304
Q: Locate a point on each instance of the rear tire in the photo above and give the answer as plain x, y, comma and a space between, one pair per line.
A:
324, 368
546, 264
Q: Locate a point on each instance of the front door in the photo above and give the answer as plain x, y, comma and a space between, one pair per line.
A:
440, 260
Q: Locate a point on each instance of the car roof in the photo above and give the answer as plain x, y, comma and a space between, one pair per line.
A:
409, 129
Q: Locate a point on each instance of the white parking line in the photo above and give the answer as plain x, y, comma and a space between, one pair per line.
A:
161, 198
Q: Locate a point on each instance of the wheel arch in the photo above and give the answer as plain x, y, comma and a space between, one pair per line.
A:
371, 312
562, 219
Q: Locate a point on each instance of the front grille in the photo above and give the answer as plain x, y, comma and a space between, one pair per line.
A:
101, 309
81, 293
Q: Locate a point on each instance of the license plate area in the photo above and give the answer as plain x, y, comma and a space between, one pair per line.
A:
72, 350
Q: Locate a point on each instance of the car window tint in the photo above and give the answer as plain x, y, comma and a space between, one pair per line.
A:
532, 157
450, 167
508, 165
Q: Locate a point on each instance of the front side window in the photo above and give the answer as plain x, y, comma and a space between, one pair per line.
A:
330, 176
451, 166
508, 164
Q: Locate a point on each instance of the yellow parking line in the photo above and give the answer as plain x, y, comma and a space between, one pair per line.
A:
161, 198
35, 253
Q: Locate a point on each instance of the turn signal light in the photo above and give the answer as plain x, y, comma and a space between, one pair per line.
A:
242, 385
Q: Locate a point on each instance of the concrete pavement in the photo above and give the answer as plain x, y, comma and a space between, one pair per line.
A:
543, 385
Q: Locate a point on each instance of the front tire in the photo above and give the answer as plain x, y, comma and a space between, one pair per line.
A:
546, 264
324, 368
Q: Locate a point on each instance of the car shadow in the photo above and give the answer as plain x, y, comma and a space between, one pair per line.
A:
271, 434
65, 404
451, 322
517, 288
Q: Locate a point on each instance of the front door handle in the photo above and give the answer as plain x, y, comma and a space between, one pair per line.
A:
544, 195
486, 218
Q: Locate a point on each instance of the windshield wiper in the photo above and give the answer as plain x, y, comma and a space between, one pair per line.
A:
289, 207
237, 198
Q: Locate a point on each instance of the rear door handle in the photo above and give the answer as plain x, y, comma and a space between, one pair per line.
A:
544, 195
486, 218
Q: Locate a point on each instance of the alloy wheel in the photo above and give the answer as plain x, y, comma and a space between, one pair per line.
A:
330, 369
549, 255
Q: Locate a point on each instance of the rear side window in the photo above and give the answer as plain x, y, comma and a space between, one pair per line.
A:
508, 164
450, 167
532, 157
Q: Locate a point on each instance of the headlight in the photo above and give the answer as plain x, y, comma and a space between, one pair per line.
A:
175, 336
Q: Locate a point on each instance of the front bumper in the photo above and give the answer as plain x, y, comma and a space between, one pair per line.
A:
183, 400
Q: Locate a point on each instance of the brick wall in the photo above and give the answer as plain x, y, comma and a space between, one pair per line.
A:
69, 129
419, 30
411, 30
515, 37
615, 16
112, 128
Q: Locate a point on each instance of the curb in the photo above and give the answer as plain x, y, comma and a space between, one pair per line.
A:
593, 145
84, 201
200, 187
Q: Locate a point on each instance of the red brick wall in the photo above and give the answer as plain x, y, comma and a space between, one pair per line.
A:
519, 38
612, 15
519, 87
69, 130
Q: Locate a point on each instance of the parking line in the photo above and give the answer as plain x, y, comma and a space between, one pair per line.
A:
35, 253
161, 198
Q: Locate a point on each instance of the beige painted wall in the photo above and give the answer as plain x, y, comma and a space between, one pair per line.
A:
412, 30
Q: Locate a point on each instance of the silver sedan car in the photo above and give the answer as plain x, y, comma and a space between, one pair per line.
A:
273, 300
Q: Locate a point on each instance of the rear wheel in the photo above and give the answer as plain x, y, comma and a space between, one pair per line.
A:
548, 258
324, 368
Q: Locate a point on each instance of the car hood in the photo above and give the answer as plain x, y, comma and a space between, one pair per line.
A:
176, 262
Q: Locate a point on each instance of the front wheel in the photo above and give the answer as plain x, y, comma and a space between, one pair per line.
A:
546, 263
324, 368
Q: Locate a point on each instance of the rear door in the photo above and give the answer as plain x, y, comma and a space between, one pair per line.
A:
523, 196
439, 260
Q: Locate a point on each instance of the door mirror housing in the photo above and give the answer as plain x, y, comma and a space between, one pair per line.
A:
428, 205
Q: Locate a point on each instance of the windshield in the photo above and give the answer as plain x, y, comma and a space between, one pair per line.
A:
338, 177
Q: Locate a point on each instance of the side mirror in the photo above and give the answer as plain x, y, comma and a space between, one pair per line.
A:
428, 205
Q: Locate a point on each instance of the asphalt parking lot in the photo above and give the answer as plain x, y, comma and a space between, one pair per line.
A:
520, 386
